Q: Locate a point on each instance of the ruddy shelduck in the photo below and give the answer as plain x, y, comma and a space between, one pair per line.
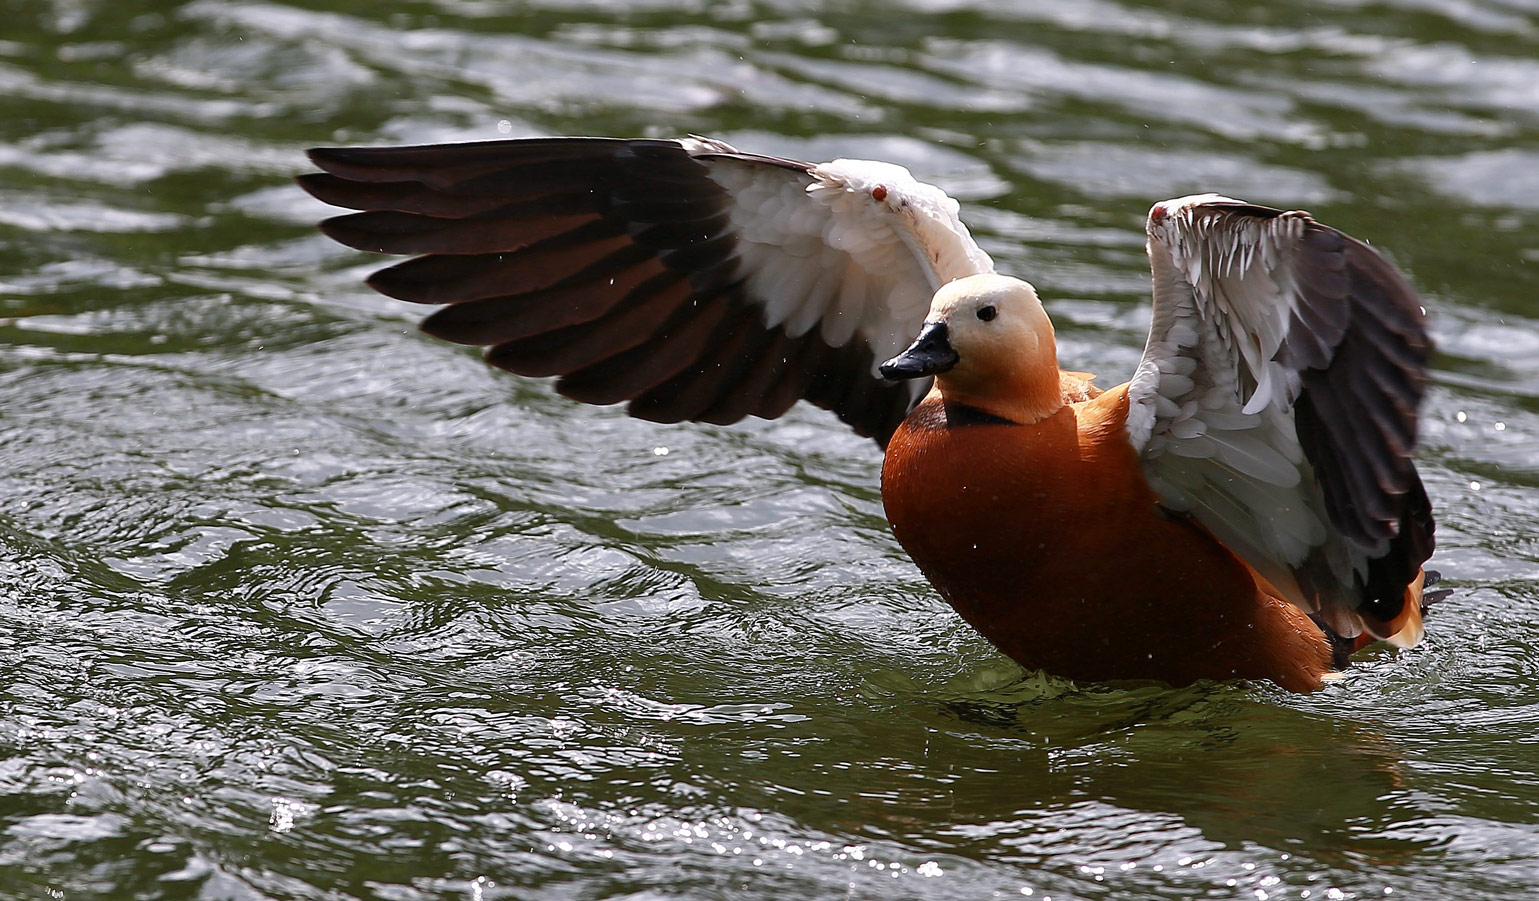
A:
1246, 506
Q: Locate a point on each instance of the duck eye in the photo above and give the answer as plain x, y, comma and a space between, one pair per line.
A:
987, 313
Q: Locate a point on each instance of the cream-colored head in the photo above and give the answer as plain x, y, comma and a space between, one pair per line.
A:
990, 345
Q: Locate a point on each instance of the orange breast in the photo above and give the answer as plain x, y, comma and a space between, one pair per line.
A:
1048, 540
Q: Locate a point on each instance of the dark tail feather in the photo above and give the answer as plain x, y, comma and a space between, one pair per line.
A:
1341, 648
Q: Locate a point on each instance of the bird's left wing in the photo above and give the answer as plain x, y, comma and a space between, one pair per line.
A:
1276, 403
689, 279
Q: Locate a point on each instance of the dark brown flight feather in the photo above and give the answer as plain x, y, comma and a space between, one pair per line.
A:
1358, 339
609, 263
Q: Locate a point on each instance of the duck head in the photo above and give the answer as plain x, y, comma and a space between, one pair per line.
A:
989, 345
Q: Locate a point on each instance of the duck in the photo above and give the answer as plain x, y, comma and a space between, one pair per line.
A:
1245, 507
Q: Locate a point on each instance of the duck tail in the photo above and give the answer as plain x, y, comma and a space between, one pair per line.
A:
1405, 630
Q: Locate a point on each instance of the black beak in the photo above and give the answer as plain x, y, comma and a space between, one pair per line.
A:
930, 354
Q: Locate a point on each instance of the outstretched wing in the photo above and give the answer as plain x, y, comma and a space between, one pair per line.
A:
1276, 403
691, 280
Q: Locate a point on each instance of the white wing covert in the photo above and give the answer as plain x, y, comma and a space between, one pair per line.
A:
1276, 403
682, 276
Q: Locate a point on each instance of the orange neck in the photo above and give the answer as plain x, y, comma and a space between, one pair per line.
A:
1025, 390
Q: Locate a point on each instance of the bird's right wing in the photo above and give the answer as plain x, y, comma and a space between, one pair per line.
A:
689, 279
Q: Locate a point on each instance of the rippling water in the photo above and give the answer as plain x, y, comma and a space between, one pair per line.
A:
299, 603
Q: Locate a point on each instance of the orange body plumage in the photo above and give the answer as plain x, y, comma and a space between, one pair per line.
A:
1047, 539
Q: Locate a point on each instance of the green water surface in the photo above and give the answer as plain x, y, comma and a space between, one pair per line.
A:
298, 603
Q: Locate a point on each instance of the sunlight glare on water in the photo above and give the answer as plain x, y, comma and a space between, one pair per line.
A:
301, 603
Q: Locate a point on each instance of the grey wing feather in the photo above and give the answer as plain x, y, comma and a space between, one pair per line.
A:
1277, 403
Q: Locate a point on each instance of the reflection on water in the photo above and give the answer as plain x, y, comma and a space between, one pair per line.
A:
300, 603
